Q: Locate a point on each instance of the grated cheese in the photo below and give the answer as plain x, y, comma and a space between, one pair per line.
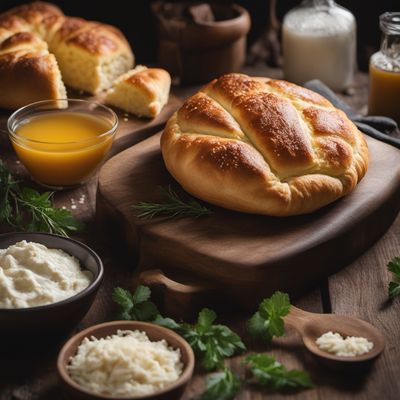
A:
125, 364
349, 347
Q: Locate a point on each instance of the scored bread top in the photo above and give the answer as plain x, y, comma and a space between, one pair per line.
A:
40, 17
263, 146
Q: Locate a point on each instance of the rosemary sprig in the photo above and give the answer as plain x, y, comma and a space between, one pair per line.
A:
26, 209
173, 207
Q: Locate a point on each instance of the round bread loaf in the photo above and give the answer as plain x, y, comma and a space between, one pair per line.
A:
263, 146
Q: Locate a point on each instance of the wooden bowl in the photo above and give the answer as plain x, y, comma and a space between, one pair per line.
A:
199, 52
56, 318
154, 332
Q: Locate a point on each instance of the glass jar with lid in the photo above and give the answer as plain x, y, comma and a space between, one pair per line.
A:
319, 42
384, 70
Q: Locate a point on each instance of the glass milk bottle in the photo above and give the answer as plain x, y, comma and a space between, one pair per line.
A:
384, 70
319, 42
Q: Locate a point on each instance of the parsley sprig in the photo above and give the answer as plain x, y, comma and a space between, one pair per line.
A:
172, 207
211, 343
272, 374
26, 209
267, 321
222, 385
135, 306
394, 286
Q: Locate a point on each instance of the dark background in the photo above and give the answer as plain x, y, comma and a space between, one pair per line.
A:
135, 19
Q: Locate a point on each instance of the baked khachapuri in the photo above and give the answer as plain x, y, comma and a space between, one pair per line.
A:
263, 146
41, 49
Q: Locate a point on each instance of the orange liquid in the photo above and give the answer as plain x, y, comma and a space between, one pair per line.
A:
63, 149
384, 93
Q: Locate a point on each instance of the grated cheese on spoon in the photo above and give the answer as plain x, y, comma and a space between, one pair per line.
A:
350, 346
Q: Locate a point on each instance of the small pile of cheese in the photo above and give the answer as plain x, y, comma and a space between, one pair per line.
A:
349, 347
125, 364
33, 275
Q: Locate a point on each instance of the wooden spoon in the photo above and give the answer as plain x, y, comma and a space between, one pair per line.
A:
187, 297
311, 326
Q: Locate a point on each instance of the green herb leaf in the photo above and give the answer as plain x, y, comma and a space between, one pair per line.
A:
269, 372
173, 207
145, 311
211, 343
267, 322
167, 323
123, 298
142, 293
26, 209
221, 386
394, 289
394, 286
135, 307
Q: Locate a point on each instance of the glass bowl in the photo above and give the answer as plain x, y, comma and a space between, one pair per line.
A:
74, 152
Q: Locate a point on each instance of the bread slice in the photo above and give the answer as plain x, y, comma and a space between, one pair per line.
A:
90, 55
141, 91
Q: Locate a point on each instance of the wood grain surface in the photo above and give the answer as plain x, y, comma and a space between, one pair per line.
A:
249, 256
360, 289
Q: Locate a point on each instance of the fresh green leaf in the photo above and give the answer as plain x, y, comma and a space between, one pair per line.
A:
211, 343
394, 286
142, 293
272, 374
205, 319
394, 266
267, 322
26, 209
222, 385
257, 326
173, 207
123, 298
144, 311
394, 289
135, 306
167, 323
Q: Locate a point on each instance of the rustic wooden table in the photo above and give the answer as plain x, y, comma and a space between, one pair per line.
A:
360, 290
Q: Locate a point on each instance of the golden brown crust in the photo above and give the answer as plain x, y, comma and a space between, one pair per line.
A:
16, 66
263, 146
201, 114
141, 91
149, 81
22, 40
33, 26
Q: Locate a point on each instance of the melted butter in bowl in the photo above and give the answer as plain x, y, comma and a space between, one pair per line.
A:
62, 143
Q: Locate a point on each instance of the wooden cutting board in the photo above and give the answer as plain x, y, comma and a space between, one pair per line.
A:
239, 257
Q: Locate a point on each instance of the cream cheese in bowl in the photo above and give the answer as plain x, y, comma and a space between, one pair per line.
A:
33, 275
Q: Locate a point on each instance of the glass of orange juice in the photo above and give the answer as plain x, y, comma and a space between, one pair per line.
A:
62, 143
